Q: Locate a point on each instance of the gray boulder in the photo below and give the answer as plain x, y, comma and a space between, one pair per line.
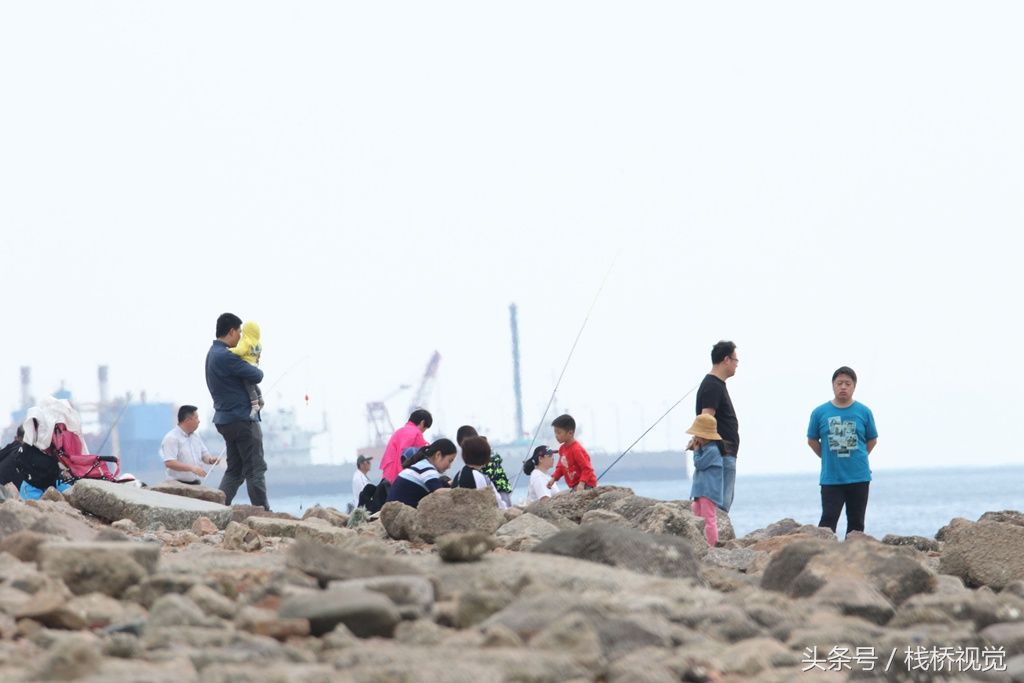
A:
604, 517
737, 559
328, 514
457, 510
659, 555
112, 502
101, 567
399, 520
525, 532
675, 520
176, 488
984, 554
571, 506
365, 613
413, 595
927, 545
312, 529
241, 537
788, 563
328, 563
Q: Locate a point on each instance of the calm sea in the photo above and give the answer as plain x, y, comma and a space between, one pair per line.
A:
905, 502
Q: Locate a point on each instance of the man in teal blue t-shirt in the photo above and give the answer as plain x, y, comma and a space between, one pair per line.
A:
842, 433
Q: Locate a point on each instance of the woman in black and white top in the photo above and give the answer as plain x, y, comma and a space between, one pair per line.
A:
476, 453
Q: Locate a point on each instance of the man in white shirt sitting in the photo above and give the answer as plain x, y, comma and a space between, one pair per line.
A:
183, 450
359, 478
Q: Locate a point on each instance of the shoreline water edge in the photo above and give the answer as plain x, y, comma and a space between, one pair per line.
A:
118, 584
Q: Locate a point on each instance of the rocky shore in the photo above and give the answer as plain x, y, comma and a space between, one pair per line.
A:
111, 584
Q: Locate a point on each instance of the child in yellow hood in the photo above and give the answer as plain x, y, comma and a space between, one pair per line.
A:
250, 349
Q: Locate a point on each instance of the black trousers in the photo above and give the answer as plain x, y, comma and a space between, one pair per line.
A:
853, 496
244, 441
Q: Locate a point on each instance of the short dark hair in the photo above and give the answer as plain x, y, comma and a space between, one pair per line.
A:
186, 412
476, 451
564, 422
20, 432
721, 351
227, 322
421, 415
845, 371
465, 431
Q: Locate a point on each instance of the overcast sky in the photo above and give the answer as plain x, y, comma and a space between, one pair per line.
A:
823, 184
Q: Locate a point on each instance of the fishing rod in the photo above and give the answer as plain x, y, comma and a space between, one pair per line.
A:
540, 425
272, 387
649, 429
113, 425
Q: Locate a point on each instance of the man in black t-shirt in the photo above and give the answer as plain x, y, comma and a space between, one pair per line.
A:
713, 399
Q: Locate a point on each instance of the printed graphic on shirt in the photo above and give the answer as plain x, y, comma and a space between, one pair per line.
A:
842, 436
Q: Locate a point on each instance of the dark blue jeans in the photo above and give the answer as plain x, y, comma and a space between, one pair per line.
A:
244, 441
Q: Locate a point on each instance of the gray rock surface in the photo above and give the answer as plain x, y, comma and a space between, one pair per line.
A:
112, 502
668, 556
176, 488
366, 613
102, 567
447, 511
985, 554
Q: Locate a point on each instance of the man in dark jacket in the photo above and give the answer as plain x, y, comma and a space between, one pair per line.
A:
226, 374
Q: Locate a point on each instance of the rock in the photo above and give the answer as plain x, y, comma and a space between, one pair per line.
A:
153, 587
111, 535
984, 554
512, 512
467, 547
751, 657
923, 544
399, 520
45, 517
100, 611
501, 636
473, 607
572, 633
240, 537
667, 556
419, 632
788, 563
146, 508
413, 595
176, 488
571, 506
341, 637
312, 529
24, 545
53, 495
204, 527
328, 563
105, 567
53, 611
674, 520
10, 492
127, 526
328, 514
942, 534
525, 531
175, 610
783, 527
265, 622
1005, 516
365, 613
982, 607
457, 510
604, 517
1010, 637
75, 658
212, 602
856, 598
739, 559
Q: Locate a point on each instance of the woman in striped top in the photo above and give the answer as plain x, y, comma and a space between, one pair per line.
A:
422, 474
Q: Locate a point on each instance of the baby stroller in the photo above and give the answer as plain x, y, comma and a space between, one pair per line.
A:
53, 452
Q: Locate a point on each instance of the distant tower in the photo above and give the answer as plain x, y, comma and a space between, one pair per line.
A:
102, 375
516, 382
26, 387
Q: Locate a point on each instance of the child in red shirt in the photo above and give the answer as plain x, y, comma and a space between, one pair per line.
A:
573, 459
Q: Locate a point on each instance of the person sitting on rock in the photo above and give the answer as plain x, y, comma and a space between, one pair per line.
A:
493, 470
708, 480
476, 453
182, 449
422, 476
537, 467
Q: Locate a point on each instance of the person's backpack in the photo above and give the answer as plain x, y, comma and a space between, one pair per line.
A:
380, 496
9, 464
366, 496
38, 468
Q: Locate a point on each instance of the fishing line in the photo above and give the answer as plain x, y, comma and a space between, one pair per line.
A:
540, 425
695, 387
